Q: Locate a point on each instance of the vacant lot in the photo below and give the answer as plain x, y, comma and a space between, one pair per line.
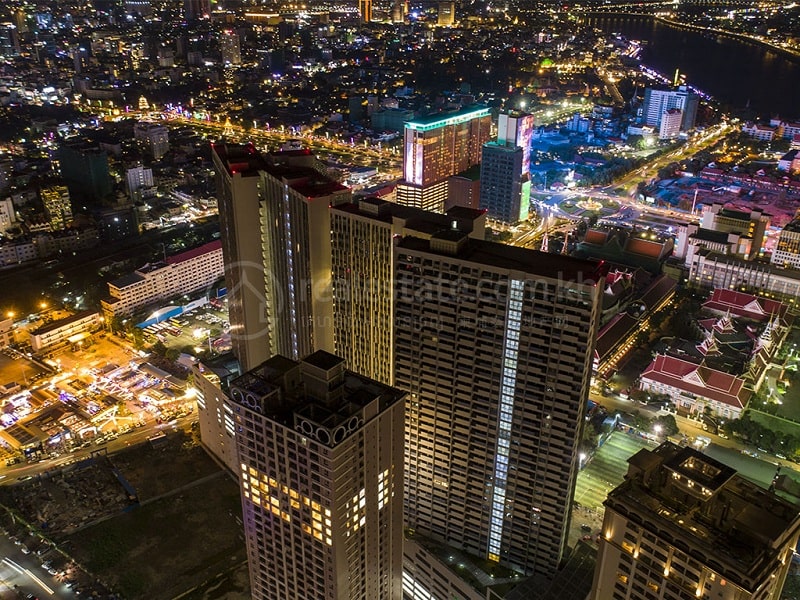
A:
163, 548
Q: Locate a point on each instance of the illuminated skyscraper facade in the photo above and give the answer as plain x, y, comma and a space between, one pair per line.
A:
363, 281
437, 147
320, 453
494, 346
365, 10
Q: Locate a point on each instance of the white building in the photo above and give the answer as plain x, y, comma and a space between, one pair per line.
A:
69, 330
8, 217
320, 467
763, 133
137, 179
153, 136
670, 124
185, 273
214, 412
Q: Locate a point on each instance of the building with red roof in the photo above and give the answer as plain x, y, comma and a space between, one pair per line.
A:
740, 304
693, 386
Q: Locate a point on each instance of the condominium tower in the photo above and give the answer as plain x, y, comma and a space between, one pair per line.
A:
494, 346
684, 526
275, 231
363, 282
658, 102
321, 459
437, 147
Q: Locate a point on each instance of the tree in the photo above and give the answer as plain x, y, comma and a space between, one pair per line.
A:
589, 439
667, 423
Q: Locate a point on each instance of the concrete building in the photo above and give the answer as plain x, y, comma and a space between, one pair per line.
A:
64, 331
84, 168
446, 13
230, 47
196, 9
320, 452
6, 332
502, 187
787, 250
763, 133
684, 526
138, 180
658, 102
365, 10
709, 270
275, 228
751, 224
57, 206
153, 137
214, 411
182, 274
670, 125
363, 282
464, 189
494, 345
437, 147
8, 216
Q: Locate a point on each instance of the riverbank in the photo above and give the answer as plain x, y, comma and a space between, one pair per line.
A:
786, 52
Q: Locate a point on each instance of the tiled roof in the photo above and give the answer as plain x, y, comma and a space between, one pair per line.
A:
698, 380
744, 305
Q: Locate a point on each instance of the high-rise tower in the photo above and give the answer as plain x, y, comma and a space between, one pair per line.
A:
321, 459
494, 346
365, 10
363, 281
437, 147
275, 229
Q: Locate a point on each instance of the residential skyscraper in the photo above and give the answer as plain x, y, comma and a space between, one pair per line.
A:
275, 230
684, 526
437, 147
321, 459
230, 47
363, 281
494, 345
658, 102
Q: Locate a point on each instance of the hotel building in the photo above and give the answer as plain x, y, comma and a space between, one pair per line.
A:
437, 147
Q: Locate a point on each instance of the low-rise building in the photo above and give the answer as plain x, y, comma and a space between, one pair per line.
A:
682, 525
185, 273
65, 331
693, 387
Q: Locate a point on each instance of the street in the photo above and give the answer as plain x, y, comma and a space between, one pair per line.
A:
24, 574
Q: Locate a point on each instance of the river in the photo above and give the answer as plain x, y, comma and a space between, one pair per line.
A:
736, 73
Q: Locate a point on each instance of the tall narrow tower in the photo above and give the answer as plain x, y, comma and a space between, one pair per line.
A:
365, 8
275, 229
321, 460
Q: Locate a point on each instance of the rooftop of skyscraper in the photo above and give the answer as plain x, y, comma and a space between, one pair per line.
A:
707, 509
448, 118
417, 219
238, 158
317, 388
503, 256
